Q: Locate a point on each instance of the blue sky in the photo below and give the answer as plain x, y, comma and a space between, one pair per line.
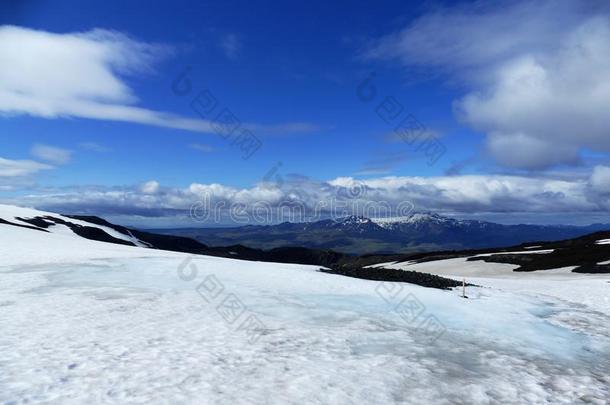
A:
293, 64
290, 73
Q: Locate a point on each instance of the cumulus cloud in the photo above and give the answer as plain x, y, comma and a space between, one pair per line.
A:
600, 179
150, 187
521, 150
81, 75
51, 154
384, 196
537, 74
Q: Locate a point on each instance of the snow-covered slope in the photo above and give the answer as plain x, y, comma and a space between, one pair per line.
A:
91, 322
58, 224
589, 290
418, 218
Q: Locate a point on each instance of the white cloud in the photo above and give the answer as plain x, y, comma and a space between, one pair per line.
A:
465, 194
475, 34
81, 75
537, 74
44, 73
525, 151
51, 154
20, 168
600, 179
150, 187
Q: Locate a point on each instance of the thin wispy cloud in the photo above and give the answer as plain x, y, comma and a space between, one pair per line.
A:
84, 76
51, 154
385, 163
21, 168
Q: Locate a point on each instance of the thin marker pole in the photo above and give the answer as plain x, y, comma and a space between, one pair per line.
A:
464, 288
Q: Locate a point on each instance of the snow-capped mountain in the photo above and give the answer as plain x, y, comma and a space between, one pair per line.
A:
350, 224
359, 235
421, 219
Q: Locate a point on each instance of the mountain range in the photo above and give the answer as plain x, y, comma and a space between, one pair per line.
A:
360, 235
585, 254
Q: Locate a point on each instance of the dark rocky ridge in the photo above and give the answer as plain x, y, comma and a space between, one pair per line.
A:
295, 255
382, 274
87, 232
2, 221
583, 253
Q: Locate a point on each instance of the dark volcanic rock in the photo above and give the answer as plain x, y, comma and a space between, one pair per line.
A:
87, 232
2, 221
382, 274
37, 222
583, 253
